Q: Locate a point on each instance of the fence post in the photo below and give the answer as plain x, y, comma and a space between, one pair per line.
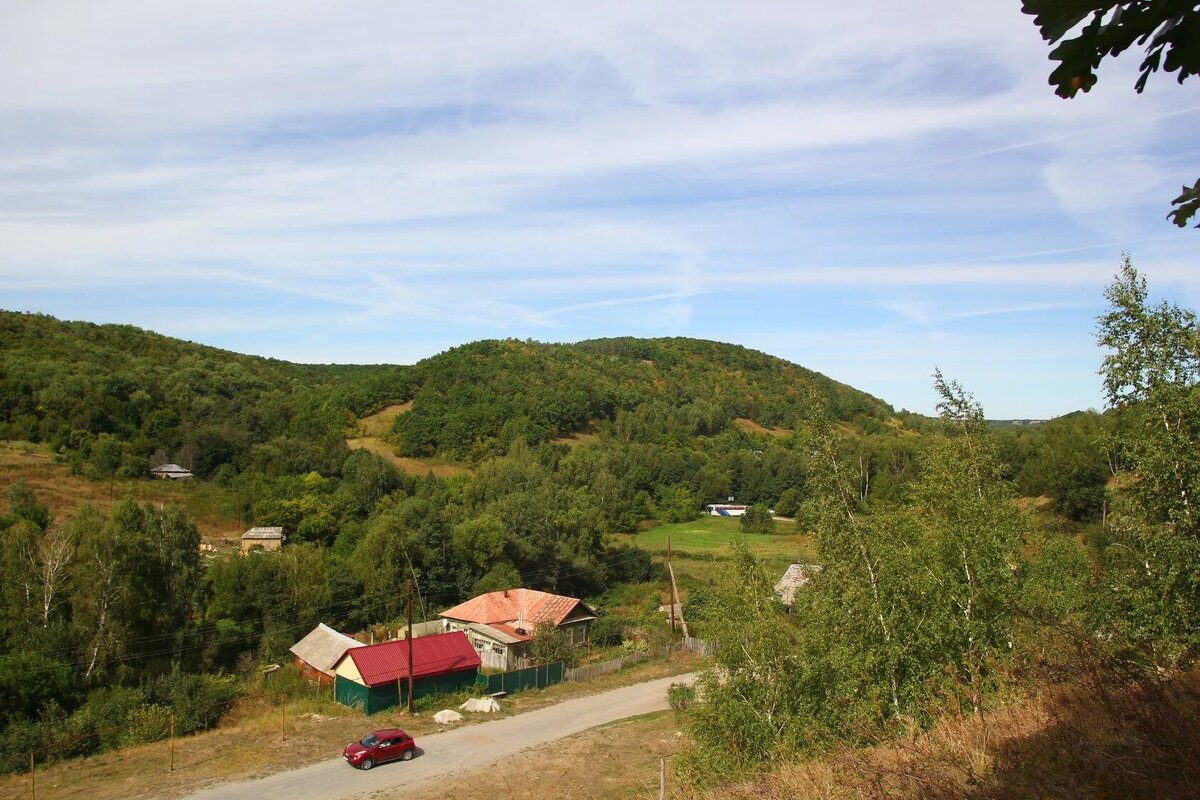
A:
662, 778
283, 714
172, 768
32, 778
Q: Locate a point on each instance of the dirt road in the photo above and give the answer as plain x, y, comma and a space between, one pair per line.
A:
456, 751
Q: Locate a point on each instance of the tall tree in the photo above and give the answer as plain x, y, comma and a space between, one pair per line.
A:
1151, 375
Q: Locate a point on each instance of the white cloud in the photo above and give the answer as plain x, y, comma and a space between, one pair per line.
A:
530, 167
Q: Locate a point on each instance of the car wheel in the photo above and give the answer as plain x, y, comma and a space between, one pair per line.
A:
366, 764
408, 754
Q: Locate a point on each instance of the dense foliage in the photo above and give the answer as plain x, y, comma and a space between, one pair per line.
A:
110, 620
118, 397
945, 596
476, 400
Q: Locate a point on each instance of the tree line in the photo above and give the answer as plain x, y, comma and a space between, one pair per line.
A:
943, 597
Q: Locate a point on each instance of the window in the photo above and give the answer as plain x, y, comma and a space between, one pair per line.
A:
498, 648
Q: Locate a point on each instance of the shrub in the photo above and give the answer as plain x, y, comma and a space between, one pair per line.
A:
758, 519
608, 630
681, 696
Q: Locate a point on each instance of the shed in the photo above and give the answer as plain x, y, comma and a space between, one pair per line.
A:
265, 538
796, 577
375, 677
172, 472
317, 654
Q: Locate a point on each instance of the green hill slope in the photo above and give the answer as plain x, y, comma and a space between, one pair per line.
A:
480, 397
81, 387
71, 383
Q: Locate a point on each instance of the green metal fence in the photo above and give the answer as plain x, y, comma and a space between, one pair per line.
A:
529, 678
376, 698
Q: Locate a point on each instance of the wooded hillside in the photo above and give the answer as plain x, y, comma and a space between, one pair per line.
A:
118, 395
477, 399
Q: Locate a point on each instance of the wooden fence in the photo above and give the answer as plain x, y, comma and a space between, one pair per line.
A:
701, 647
605, 667
689, 643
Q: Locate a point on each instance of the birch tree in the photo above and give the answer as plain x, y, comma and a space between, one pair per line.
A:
102, 597
1150, 376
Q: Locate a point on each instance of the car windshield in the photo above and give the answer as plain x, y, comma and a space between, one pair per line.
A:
369, 740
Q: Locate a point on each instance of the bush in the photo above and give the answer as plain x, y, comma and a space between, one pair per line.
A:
758, 519
789, 502
681, 696
550, 645
198, 701
608, 630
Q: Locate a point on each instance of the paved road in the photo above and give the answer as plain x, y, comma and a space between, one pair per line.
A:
462, 749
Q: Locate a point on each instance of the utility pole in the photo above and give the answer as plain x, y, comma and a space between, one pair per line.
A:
671, 591
675, 595
408, 638
172, 743
32, 778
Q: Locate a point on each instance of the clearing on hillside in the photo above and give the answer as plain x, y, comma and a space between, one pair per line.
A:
211, 506
372, 432
379, 424
750, 426
586, 435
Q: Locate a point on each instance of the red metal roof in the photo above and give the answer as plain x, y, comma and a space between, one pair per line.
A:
526, 606
432, 655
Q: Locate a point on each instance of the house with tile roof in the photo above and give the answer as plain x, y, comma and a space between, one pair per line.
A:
501, 624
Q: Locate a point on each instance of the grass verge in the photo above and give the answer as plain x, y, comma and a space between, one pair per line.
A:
259, 737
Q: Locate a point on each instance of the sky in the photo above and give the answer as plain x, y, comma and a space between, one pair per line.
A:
868, 188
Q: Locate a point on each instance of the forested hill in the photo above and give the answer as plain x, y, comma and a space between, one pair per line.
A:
119, 397
477, 399
133, 394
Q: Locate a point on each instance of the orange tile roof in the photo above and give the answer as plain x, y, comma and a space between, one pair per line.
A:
528, 606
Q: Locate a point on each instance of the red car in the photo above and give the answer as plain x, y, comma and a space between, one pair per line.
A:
375, 748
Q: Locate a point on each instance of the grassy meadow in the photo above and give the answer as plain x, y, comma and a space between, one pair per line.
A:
701, 547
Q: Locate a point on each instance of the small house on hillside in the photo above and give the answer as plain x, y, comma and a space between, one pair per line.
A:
262, 538
796, 577
171, 472
375, 676
501, 624
318, 653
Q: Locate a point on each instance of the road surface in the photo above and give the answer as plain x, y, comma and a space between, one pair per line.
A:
459, 750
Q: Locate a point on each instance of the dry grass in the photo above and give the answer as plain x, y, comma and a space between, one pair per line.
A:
379, 424
248, 743
577, 438
410, 466
1089, 739
371, 434
750, 426
615, 761
65, 493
